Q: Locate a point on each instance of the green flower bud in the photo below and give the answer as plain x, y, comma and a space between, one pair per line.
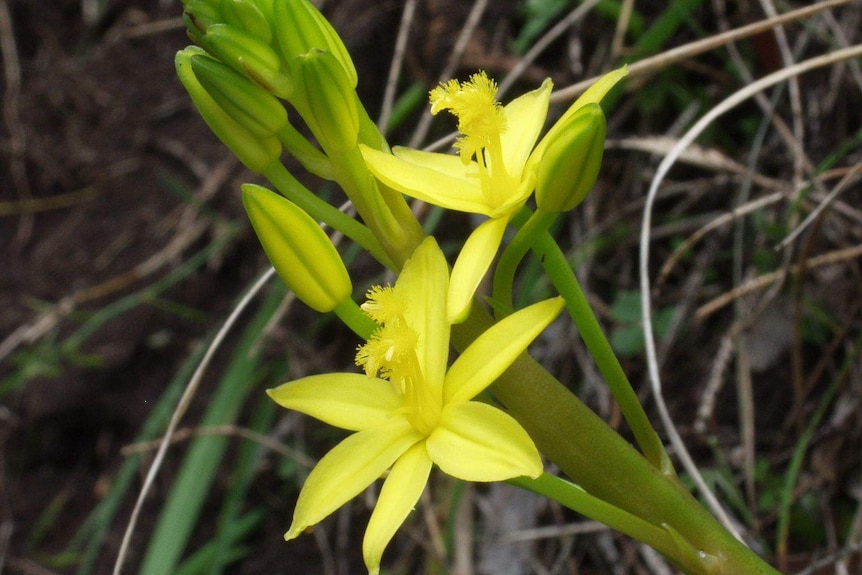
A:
201, 14
246, 102
328, 100
248, 55
298, 249
571, 160
245, 15
256, 152
300, 27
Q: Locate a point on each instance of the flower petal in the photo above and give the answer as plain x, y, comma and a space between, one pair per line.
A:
597, 91
495, 350
425, 280
525, 118
594, 94
477, 442
347, 469
444, 163
399, 495
472, 264
436, 187
347, 400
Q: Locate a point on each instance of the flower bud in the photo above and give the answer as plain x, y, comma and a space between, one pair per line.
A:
328, 98
254, 151
298, 249
247, 16
243, 100
201, 14
300, 27
571, 160
248, 55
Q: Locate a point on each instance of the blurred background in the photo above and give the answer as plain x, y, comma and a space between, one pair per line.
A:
124, 247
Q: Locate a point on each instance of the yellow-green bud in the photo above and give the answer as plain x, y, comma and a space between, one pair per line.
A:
243, 100
201, 14
329, 98
298, 249
245, 15
248, 55
300, 27
572, 157
256, 152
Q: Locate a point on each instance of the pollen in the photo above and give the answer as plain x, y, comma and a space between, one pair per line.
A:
481, 118
383, 304
388, 350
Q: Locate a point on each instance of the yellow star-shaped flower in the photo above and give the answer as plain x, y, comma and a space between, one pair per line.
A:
409, 411
494, 174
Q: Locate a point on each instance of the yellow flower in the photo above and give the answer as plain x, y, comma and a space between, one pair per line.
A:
494, 174
408, 410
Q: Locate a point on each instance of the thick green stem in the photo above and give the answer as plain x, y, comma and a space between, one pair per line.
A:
598, 459
566, 282
383, 210
533, 233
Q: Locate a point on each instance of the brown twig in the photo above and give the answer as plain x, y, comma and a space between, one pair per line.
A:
660, 61
766, 280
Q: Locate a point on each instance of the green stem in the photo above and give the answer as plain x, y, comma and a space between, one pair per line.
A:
663, 539
311, 158
384, 211
566, 282
527, 235
353, 317
598, 459
318, 209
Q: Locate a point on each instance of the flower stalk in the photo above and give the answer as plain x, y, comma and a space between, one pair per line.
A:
411, 410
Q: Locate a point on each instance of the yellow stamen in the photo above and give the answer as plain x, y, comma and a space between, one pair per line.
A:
384, 303
390, 353
481, 119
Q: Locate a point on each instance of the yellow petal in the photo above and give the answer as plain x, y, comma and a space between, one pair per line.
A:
399, 495
347, 400
525, 118
495, 350
594, 94
477, 442
436, 187
444, 163
597, 91
347, 469
472, 264
425, 280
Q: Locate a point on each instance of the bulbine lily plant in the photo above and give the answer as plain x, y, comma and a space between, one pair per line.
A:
260, 70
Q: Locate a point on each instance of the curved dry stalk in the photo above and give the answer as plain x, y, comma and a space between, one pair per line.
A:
182, 407
663, 168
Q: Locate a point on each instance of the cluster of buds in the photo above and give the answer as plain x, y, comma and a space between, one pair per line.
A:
258, 67
255, 59
250, 54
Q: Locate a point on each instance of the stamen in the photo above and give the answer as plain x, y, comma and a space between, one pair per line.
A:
384, 303
481, 119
